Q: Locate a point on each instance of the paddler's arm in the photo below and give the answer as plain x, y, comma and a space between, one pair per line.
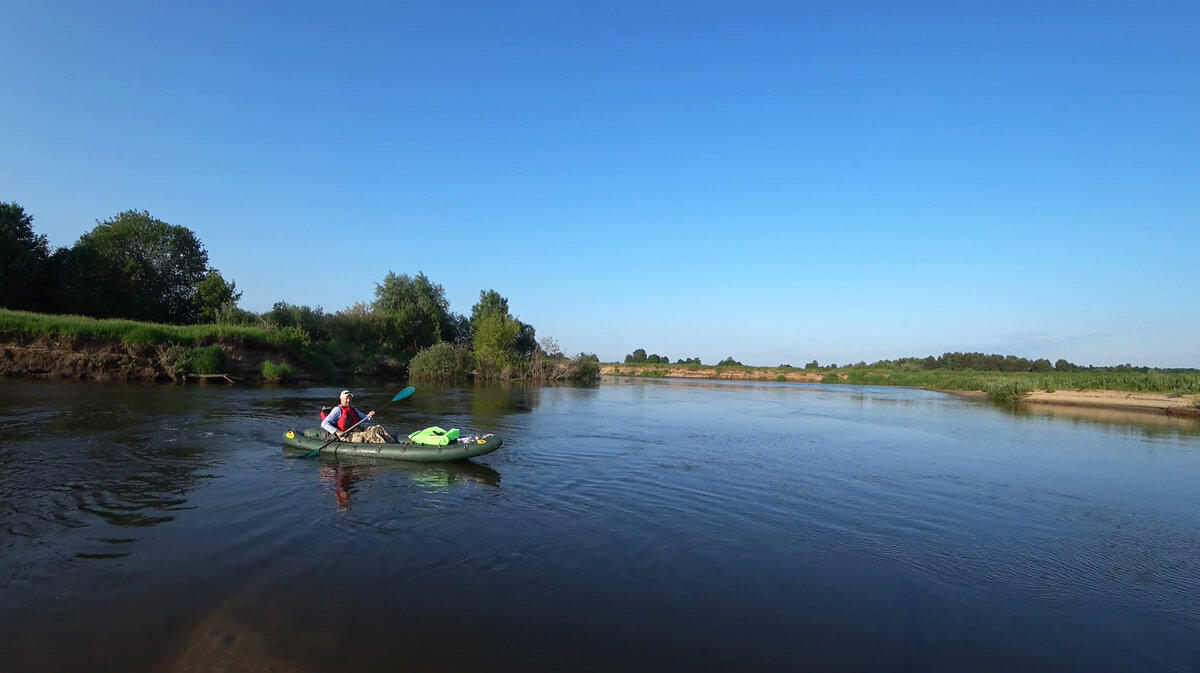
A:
330, 418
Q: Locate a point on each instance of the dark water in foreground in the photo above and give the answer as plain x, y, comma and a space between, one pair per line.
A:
634, 526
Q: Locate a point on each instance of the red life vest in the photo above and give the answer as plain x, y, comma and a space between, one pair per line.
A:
348, 418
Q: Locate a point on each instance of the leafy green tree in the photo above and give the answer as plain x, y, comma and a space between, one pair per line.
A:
214, 293
24, 257
526, 341
135, 266
357, 325
1062, 365
729, 361
415, 310
463, 331
637, 357
311, 321
813, 365
490, 303
495, 345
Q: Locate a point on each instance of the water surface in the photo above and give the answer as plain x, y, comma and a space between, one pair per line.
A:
637, 525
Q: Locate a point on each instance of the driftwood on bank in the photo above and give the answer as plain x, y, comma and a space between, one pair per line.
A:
210, 377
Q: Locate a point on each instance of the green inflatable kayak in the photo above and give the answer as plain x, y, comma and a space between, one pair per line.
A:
461, 447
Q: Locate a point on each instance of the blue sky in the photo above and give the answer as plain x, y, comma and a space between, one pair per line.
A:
773, 181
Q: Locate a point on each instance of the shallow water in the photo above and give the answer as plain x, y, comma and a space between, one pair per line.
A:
637, 525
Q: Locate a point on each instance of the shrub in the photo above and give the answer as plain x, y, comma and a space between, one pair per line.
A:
584, 367
1007, 389
295, 337
206, 360
276, 373
441, 361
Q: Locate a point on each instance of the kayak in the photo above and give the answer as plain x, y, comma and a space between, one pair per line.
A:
298, 444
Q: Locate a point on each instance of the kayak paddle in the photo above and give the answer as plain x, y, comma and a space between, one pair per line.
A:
399, 396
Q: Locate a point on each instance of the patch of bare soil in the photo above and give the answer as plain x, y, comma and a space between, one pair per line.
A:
66, 357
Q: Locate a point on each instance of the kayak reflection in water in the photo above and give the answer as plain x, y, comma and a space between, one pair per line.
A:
340, 479
345, 422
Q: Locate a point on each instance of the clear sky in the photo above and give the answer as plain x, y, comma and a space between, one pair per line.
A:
773, 181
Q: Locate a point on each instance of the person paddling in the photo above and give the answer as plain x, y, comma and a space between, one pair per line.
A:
342, 419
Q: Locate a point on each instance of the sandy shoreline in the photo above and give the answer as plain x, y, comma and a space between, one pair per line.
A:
1181, 405
1149, 403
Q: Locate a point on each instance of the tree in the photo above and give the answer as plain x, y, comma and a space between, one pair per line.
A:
213, 293
729, 361
416, 312
495, 345
490, 303
462, 330
135, 266
1062, 365
308, 320
637, 357
23, 260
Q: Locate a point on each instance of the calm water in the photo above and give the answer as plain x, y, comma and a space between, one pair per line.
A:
633, 526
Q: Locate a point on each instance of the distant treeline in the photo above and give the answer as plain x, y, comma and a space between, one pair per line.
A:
983, 362
135, 267
976, 362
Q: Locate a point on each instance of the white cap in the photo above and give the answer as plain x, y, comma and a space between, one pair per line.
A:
346, 393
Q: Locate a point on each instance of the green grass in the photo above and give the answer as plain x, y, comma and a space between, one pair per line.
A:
206, 360
129, 331
276, 373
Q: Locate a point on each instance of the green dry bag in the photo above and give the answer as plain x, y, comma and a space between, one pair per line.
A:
434, 436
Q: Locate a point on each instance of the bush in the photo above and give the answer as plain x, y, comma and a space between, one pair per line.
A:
276, 373
230, 314
442, 361
207, 360
584, 367
1007, 389
295, 337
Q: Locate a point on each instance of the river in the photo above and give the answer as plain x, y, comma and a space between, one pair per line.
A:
636, 525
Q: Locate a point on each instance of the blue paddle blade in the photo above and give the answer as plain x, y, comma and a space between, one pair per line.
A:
404, 393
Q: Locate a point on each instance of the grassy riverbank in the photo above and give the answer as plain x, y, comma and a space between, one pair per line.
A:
129, 331
999, 386
70, 346
34, 345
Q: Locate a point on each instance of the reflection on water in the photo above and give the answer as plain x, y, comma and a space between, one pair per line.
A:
1150, 423
343, 475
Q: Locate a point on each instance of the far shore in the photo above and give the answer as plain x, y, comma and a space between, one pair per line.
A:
1153, 403
1141, 402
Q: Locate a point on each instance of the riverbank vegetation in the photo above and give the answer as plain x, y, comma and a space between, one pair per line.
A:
142, 282
1002, 378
